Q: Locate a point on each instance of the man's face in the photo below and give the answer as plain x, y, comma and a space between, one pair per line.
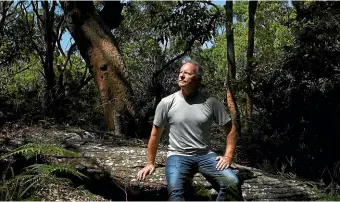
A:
187, 76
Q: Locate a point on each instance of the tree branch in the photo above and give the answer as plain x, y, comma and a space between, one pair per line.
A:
59, 34
4, 13
212, 4
60, 48
35, 46
35, 9
42, 73
83, 83
188, 46
111, 13
51, 21
21, 70
69, 53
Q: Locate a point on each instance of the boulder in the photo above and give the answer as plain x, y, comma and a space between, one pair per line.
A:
113, 163
124, 162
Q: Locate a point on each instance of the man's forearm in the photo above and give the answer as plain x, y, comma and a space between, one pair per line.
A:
155, 136
152, 149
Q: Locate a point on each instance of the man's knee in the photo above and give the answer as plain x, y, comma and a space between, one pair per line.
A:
174, 183
175, 189
230, 186
229, 181
229, 176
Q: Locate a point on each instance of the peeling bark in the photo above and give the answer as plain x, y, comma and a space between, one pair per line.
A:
99, 48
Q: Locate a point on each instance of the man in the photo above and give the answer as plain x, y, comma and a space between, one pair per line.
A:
190, 115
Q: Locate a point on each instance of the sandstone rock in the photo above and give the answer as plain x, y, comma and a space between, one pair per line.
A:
121, 159
123, 163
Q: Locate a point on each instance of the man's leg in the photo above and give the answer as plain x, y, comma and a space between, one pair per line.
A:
224, 181
179, 171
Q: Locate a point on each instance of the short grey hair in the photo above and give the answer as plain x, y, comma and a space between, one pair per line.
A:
199, 69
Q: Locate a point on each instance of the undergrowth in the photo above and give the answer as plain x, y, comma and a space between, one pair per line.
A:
32, 178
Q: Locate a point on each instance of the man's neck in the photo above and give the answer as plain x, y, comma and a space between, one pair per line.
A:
188, 93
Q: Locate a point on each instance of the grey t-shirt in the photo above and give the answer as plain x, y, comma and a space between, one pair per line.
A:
190, 120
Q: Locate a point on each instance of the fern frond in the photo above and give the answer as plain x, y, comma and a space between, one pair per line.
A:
55, 168
33, 149
57, 180
22, 178
27, 188
36, 175
15, 188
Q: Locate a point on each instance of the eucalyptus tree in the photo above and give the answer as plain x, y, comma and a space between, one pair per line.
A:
162, 27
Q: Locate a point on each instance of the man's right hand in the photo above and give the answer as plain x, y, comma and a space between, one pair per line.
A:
149, 169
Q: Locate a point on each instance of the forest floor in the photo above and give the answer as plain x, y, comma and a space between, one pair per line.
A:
112, 162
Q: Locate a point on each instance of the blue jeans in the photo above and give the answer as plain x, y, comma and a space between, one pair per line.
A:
180, 170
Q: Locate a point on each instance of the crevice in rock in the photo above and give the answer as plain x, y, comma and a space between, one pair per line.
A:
101, 183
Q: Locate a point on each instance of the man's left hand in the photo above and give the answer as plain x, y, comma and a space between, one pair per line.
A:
223, 162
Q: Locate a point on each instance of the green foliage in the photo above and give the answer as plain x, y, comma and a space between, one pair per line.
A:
295, 79
156, 36
273, 30
25, 184
203, 192
15, 188
329, 198
272, 33
152, 34
23, 91
43, 169
214, 77
297, 98
34, 149
83, 189
19, 80
14, 38
189, 20
273, 22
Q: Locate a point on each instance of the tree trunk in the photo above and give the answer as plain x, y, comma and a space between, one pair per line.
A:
98, 47
48, 21
249, 67
231, 76
48, 34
